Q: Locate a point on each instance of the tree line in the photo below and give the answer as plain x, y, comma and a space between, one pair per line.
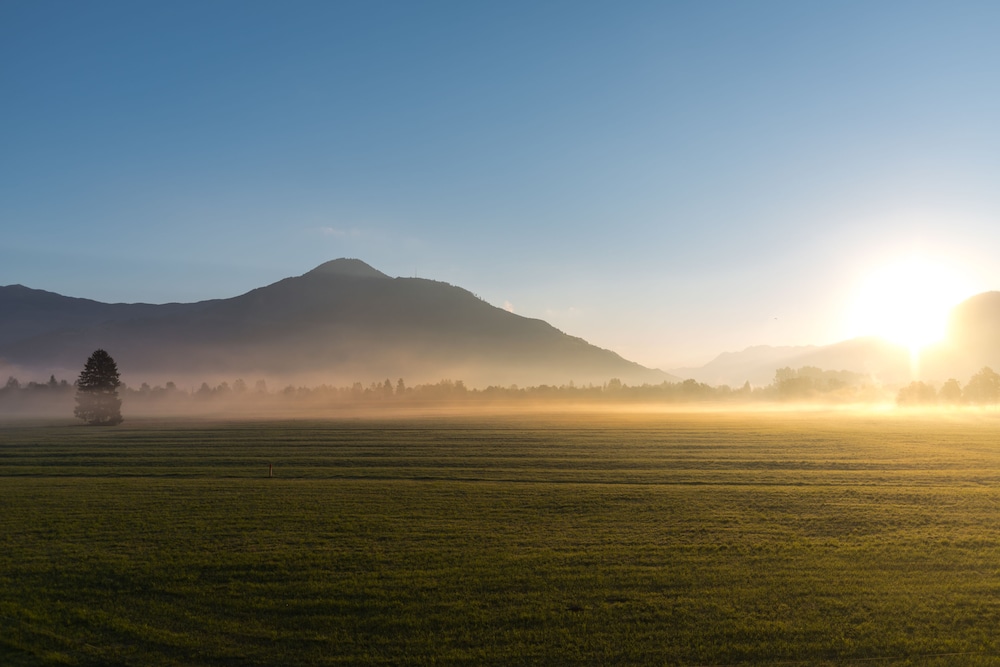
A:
99, 394
983, 388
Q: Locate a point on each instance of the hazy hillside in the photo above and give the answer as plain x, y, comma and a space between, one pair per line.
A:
883, 361
29, 312
974, 332
754, 364
340, 322
973, 341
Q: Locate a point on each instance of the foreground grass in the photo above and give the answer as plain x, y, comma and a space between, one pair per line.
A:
657, 539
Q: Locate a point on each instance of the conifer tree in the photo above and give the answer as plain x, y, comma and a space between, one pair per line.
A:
97, 399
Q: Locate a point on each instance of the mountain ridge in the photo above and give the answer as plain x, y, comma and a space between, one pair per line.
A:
345, 321
972, 342
341, 321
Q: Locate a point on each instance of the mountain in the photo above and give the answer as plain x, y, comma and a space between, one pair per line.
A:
973, 341
974, 331
755, 365
343, 321
883, 361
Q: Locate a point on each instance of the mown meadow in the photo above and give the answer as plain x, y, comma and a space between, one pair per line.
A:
656, 538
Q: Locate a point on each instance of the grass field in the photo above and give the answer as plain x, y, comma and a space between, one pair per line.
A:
689, 539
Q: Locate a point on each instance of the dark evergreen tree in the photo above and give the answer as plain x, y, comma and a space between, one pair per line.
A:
97, 399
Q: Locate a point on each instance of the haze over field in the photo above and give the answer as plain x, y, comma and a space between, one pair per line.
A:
666, 180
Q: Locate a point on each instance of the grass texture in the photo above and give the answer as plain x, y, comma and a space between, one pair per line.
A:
659, 539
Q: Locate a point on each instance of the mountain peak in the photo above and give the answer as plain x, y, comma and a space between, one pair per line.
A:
352, 268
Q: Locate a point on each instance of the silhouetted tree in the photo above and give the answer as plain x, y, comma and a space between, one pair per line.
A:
983, 387
97, 399
951, 391
916, 393
792, 383
810, 381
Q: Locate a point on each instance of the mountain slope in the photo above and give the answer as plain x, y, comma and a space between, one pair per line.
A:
340, 322
30, 312
974, 328
755, 365
883, 361
973, 342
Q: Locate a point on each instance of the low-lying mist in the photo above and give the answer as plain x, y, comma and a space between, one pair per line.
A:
794, 391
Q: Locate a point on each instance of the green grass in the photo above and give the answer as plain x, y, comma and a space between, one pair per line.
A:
643, 539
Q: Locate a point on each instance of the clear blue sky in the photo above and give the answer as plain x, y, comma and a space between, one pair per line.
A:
667, 179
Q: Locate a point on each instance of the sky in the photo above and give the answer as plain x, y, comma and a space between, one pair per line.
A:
670, 180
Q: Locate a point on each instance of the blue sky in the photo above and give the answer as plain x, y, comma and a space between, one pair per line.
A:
669, 180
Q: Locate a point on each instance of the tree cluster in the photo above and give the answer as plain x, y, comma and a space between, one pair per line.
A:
17, 398
810, 382
983, 388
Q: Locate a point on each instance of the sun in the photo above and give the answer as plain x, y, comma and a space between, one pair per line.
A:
907, 302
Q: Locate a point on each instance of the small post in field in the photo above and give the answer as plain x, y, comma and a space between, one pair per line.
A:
270, 470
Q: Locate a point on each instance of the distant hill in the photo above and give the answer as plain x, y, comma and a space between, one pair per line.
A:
974, 330
754, 365
883, 361
973, 341
343, 321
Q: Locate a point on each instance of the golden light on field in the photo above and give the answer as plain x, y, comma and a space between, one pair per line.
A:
907, 302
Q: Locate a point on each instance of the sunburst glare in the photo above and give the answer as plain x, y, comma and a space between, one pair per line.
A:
907, 302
